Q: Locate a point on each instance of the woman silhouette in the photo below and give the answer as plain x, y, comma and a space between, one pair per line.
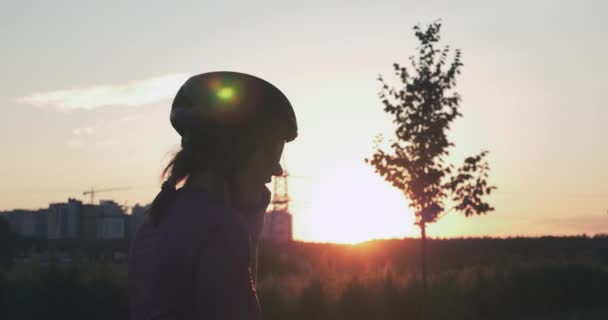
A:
195, 256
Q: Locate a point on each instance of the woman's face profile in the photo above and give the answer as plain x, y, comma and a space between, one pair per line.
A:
257, 172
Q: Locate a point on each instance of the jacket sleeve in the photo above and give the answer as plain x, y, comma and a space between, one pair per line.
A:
223, 283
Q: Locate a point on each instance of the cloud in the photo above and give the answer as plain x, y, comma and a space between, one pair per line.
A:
83, 131
133, 93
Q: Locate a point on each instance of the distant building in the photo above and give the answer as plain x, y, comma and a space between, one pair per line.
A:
112, 228
28, 223
41, 218
63, 220
112, 224
73, 220
91, 216
277, 226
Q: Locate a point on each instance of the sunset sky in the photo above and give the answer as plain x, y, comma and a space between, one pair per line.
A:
87, 88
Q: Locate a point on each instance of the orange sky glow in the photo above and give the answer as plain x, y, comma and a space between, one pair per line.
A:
95, 112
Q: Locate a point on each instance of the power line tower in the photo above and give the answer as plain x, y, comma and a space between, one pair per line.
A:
280, 195
278, 222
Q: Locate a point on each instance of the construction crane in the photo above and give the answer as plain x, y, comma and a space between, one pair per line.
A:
93, 191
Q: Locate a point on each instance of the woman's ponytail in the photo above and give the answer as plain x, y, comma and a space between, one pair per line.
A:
180, 167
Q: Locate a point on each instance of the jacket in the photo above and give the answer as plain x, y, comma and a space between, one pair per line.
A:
198, 263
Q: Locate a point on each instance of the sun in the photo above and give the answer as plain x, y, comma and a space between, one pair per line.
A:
353, 205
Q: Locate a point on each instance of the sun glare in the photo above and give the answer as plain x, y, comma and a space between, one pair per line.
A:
353, 205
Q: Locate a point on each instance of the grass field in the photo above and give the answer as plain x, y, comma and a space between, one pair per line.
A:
519, 278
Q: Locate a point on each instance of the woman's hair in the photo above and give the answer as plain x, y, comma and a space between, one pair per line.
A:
179, 169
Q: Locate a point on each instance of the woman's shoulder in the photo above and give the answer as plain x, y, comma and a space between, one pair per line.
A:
199, 208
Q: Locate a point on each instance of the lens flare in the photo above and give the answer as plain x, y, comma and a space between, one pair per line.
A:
225, 93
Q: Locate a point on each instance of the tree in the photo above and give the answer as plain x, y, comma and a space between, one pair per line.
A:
424, 105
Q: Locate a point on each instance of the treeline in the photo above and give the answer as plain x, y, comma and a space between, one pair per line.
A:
444, 254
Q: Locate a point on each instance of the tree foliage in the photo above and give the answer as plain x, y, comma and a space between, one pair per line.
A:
423, 106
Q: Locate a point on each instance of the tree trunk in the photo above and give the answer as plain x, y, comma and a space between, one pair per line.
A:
423, 270
423, 251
